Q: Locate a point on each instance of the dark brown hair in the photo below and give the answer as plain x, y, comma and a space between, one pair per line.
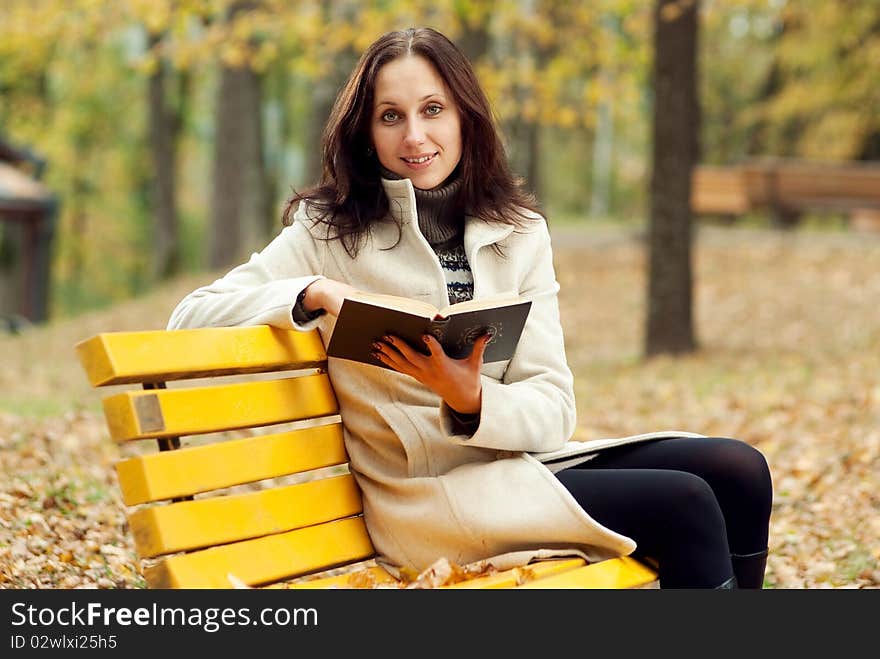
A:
349, 197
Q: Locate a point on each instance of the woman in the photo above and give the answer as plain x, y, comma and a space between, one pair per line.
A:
417, 200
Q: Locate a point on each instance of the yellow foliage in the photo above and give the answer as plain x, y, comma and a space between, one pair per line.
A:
234, 54
155, 15
265, 54
837, 135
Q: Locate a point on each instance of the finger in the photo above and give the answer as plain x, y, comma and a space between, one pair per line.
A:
480, 348
433, 345
390, 357
403, 348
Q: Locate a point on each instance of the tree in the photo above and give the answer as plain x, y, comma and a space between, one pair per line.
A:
164, 131
239, 201
675, 147
336, 69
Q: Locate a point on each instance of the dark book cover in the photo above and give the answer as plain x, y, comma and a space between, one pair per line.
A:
360, 324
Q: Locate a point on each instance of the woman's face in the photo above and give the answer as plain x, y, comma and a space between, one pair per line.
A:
415, 125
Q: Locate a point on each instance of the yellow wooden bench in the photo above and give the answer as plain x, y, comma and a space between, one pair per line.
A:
243, 480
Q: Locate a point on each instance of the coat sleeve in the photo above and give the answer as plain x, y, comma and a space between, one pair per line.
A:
261, 291
533, 407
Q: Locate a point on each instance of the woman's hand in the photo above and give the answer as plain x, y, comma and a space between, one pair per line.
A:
326, 294
456, 381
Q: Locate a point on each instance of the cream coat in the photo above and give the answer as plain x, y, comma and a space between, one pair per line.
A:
429, 493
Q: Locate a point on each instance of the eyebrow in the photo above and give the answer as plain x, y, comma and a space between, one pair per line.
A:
421, 100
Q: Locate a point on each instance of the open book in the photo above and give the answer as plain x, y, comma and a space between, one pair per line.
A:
573, 451
367, 317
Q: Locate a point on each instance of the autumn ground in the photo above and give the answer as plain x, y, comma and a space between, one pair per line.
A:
789, 362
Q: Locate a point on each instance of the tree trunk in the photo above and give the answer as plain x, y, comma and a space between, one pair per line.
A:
603, 159
325, 89
474, 40
524, 143
276, 131
323, 96
163, 145
240, 209
256, 212
675, 152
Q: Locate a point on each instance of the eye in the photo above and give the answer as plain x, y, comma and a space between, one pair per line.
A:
390, 115
433, 109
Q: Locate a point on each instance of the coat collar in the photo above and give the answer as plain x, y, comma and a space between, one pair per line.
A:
402, 207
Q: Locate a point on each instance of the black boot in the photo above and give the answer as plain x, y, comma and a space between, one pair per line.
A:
749, 569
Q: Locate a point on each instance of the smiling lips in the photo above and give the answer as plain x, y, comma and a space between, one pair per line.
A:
419, 162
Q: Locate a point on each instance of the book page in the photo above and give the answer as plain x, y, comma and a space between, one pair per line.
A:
417, 307
490, 302
583, 447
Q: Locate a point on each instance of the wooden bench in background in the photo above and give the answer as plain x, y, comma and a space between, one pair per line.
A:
238, 473
787, 189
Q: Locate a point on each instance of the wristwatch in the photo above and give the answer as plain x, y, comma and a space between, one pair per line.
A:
299, 311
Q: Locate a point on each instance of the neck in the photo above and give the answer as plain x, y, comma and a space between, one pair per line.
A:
441, 217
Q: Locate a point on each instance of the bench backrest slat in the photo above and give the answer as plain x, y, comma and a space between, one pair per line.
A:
197, 410
718, 190
197, 469
153, 356
794, 181
212, 521
266, 560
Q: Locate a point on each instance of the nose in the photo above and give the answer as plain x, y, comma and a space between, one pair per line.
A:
415, 133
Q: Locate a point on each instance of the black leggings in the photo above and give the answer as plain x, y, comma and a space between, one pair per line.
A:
687, 502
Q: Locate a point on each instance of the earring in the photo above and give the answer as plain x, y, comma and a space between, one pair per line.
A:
369, 151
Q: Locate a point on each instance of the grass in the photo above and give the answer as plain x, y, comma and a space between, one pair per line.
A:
41, 376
